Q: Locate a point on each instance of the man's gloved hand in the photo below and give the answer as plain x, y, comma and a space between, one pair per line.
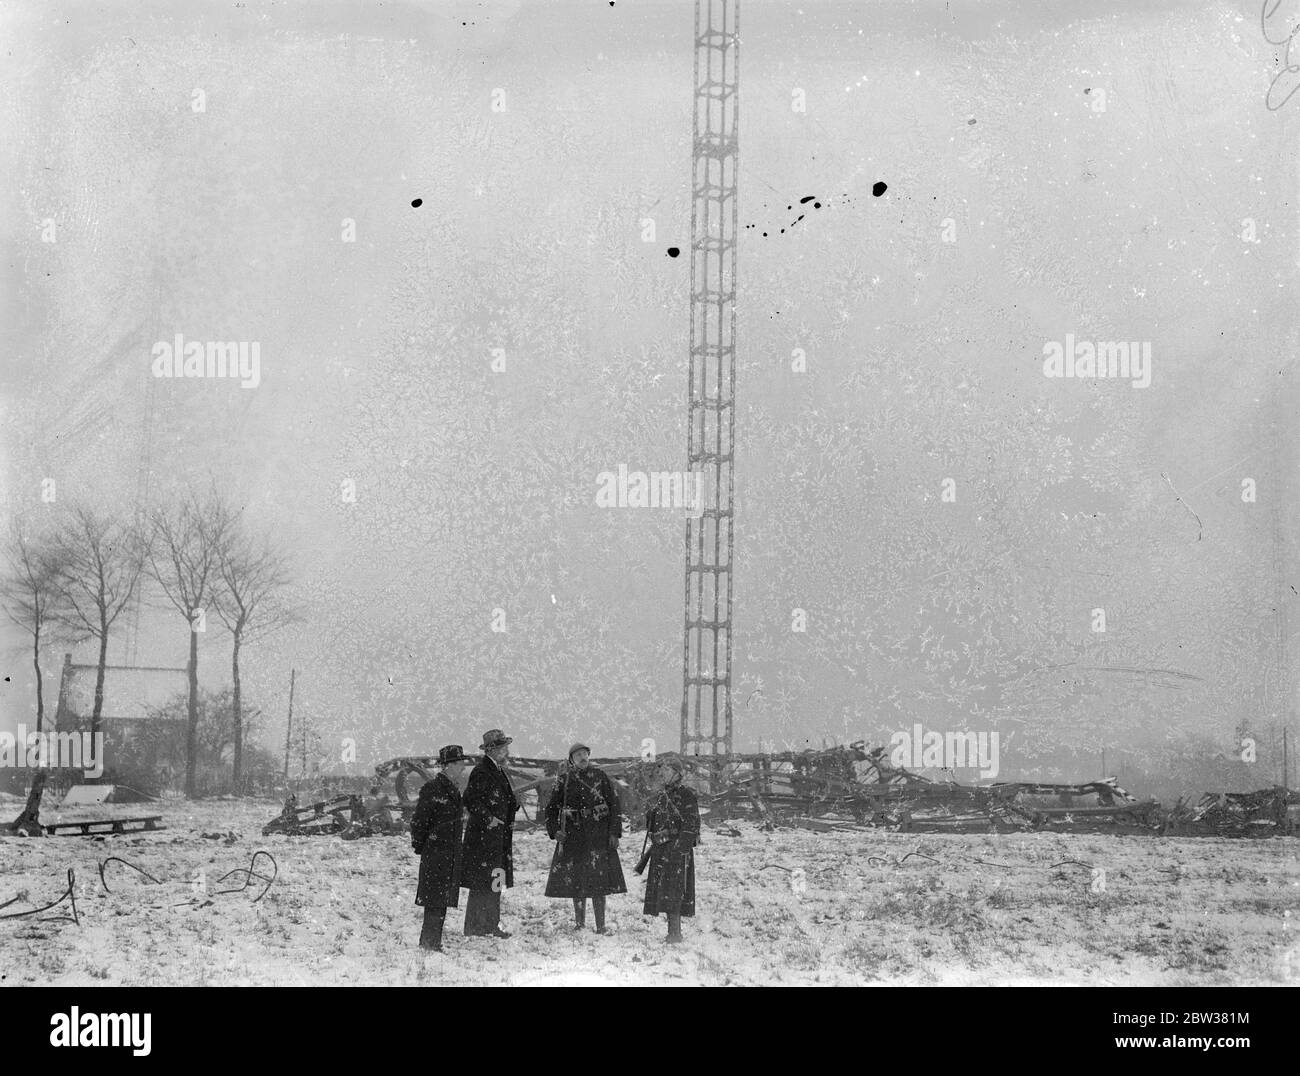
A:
659, 838
613, 843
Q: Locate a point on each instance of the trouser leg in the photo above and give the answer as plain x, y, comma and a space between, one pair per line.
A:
598, 908
431, 931
477, 913
580, 912
675, 923
493, 911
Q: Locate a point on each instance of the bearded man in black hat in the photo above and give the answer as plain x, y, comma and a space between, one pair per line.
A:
435, 838
488, 865
583, 818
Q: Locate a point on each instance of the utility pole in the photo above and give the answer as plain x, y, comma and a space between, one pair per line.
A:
288, 732
1282, 701
1286, 769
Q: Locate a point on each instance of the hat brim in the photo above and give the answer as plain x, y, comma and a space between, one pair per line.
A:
496, 743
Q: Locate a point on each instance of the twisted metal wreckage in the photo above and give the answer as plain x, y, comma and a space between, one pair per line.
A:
201, 900
839, 788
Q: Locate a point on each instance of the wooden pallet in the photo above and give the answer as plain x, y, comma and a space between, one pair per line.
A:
114, 825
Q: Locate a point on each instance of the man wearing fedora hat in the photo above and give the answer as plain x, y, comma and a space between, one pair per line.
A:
488, 865
435, 838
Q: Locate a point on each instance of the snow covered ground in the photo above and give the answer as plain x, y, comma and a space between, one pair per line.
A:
993, 909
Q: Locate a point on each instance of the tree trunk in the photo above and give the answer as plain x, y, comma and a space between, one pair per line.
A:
192, 725
40, 691
95, 714
31, 814
238, 762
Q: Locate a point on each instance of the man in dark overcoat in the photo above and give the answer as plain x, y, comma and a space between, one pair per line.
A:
583, 818
488, 861
673, 830
435, 837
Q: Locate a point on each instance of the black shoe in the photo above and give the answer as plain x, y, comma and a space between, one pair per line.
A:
499, 933
431, 947
601, 930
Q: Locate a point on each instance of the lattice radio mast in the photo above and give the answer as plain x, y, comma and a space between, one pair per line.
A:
706, 646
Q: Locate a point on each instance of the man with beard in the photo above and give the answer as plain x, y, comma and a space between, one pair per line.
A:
488, 866
583, 818
435, 838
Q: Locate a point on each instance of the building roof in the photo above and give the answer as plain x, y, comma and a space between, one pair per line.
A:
130, 692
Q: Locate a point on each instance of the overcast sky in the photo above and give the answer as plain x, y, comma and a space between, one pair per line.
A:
1106, 172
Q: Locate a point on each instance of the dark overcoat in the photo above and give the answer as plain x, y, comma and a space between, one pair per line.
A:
435, 837
489, 795
670, 877
584, 809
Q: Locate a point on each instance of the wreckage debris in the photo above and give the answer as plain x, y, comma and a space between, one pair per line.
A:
250, 872
1237, 814
69, 894
125, 863
835, 789
351, 816
317, 819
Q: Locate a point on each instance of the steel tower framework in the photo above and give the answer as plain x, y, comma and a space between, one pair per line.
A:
706, 646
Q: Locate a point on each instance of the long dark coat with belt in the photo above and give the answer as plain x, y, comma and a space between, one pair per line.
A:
585, 865
489, 795
435, 838
670, 877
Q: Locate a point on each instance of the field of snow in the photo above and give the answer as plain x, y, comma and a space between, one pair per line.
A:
986, 909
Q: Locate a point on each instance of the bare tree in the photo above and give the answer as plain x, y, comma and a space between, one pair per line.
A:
249, 602
184, 554
30, 595
98, 562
